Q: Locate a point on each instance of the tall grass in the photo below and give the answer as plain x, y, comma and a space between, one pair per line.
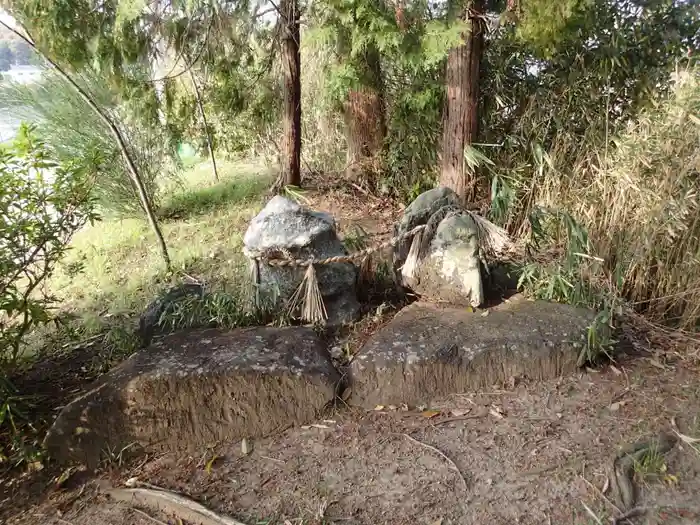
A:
66, 122
636, 194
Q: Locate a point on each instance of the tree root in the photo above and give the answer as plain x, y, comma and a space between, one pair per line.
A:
171, 503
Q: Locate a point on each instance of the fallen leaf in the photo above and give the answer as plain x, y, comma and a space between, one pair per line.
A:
245, 447
459, 412
346, 394
420, 408
379, 407
404, 407
495, 413
617, 405
469, 309
391, 407
606, 485
671, 479
65, 475
210, 463
430, 413
485, 313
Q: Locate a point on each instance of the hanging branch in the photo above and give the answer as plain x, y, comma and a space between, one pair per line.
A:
131, 166
206, 126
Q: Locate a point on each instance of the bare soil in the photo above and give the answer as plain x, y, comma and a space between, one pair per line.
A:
526, 453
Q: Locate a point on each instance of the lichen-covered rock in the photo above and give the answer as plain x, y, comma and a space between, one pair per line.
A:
285, 225
417, 213
428, 351
194, 389
451, 271
149, 322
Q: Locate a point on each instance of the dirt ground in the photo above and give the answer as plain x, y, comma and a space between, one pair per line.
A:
521, 453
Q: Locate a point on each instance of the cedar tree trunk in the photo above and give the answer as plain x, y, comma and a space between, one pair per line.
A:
461, 118
292, 93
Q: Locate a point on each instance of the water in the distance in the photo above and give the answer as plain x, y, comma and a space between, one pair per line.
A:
8, 127
21, 74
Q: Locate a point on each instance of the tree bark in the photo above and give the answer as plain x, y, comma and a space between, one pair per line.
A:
200, 105
461, 118
365, 123
292, 93
132, 170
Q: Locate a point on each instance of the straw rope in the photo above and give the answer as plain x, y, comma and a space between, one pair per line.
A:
271, 257
307, 296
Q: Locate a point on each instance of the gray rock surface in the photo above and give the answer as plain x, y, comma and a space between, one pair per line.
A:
284, 224
451, 271
428, 351
195, 389
417, 213
149, 321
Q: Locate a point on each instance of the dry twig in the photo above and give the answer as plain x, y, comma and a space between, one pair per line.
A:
437, 451
638, 511
456, 418
145, 515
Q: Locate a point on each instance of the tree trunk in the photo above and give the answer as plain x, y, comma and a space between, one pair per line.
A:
365, 124
210, 147
292, 93
461, 118
131, 166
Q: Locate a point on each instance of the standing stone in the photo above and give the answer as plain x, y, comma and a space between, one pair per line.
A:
284, 225
451, 271
419, 212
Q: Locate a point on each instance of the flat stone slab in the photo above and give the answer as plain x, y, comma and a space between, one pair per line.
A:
429, 351
199, 388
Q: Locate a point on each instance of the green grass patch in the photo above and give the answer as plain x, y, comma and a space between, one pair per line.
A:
114, 268
201, 193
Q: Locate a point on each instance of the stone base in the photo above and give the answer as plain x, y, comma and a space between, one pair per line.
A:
429, 351
195, 389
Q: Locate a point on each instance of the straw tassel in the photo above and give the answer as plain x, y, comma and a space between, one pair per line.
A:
364, 276
410, 267
308, 296
252, 286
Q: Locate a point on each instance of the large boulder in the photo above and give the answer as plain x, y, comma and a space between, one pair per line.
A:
419, 212
451, 270
450, 267
285, 226
195, 389
427, 351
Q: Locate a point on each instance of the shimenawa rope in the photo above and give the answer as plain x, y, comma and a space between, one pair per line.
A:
308, 296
